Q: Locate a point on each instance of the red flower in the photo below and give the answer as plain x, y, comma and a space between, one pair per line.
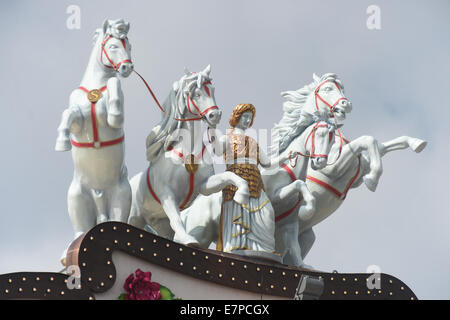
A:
141, 287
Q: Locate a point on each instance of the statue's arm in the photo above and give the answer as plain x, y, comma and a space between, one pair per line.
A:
115, 103
267, 162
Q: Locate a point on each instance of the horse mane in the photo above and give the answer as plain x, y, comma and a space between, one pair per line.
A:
160, 138
297, 114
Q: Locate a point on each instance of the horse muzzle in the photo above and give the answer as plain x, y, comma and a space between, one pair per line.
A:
318, 163
125, 69
213, 117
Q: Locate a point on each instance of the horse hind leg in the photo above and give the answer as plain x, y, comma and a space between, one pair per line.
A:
100, 204
81, 209
306, 240
120, 199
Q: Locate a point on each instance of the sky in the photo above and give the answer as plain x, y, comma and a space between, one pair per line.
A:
397, 78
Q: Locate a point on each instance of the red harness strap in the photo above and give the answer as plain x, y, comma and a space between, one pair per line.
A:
287, 213
191, 178
331, 107
97, 143
337, 193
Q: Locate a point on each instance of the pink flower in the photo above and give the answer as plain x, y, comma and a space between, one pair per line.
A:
141, 287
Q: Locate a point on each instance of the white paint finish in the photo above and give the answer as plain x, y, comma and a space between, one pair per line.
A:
100, 190
191, 99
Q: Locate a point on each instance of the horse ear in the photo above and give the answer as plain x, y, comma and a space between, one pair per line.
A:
316, 78
175, 86
186, 71
105, 26
340, 125
207, 70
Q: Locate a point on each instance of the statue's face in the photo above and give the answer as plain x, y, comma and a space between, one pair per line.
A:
245, 120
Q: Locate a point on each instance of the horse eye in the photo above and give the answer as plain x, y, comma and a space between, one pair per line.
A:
113, 46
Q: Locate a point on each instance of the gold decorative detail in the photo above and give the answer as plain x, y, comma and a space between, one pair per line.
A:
62, 293
248, 172
94, 95
181, 264
168, 259
142, 249
167, 245
190, 164
91, 238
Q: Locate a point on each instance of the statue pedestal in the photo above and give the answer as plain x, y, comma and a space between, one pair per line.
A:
259, 255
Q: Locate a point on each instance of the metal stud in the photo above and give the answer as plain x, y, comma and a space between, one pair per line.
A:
181, 264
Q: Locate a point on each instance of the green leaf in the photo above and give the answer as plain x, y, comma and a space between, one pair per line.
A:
166, 294
122, 296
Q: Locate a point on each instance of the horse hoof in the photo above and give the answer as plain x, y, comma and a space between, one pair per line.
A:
306, 266
370, 183
418, 145
63, 145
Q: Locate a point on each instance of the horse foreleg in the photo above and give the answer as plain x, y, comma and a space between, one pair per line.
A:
308, 203
400, 143
69, 123
219, 181
176, 223
371, 147
115, 103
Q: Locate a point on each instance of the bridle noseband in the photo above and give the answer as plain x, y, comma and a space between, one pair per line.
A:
329, 105
113, 65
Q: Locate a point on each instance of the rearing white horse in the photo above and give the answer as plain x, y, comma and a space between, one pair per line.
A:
92, 127
179, 167
331, 184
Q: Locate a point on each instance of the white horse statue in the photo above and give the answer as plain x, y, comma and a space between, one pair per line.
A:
331, 184
322, 99
287, 192
92, 127
180, 169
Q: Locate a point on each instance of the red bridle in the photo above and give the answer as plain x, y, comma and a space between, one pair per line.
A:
329, 105
312, 134
112, 65
199, 115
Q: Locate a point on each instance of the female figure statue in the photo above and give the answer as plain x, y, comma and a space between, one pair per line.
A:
245, 227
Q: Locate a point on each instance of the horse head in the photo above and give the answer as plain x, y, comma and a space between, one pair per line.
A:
113, 47
324, 95
320, 137
198, 95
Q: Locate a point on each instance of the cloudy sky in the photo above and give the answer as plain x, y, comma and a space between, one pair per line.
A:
397, 78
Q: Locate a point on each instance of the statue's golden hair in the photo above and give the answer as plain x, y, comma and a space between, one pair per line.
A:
239, 110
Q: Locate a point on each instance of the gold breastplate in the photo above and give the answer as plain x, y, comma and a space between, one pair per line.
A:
243, 147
